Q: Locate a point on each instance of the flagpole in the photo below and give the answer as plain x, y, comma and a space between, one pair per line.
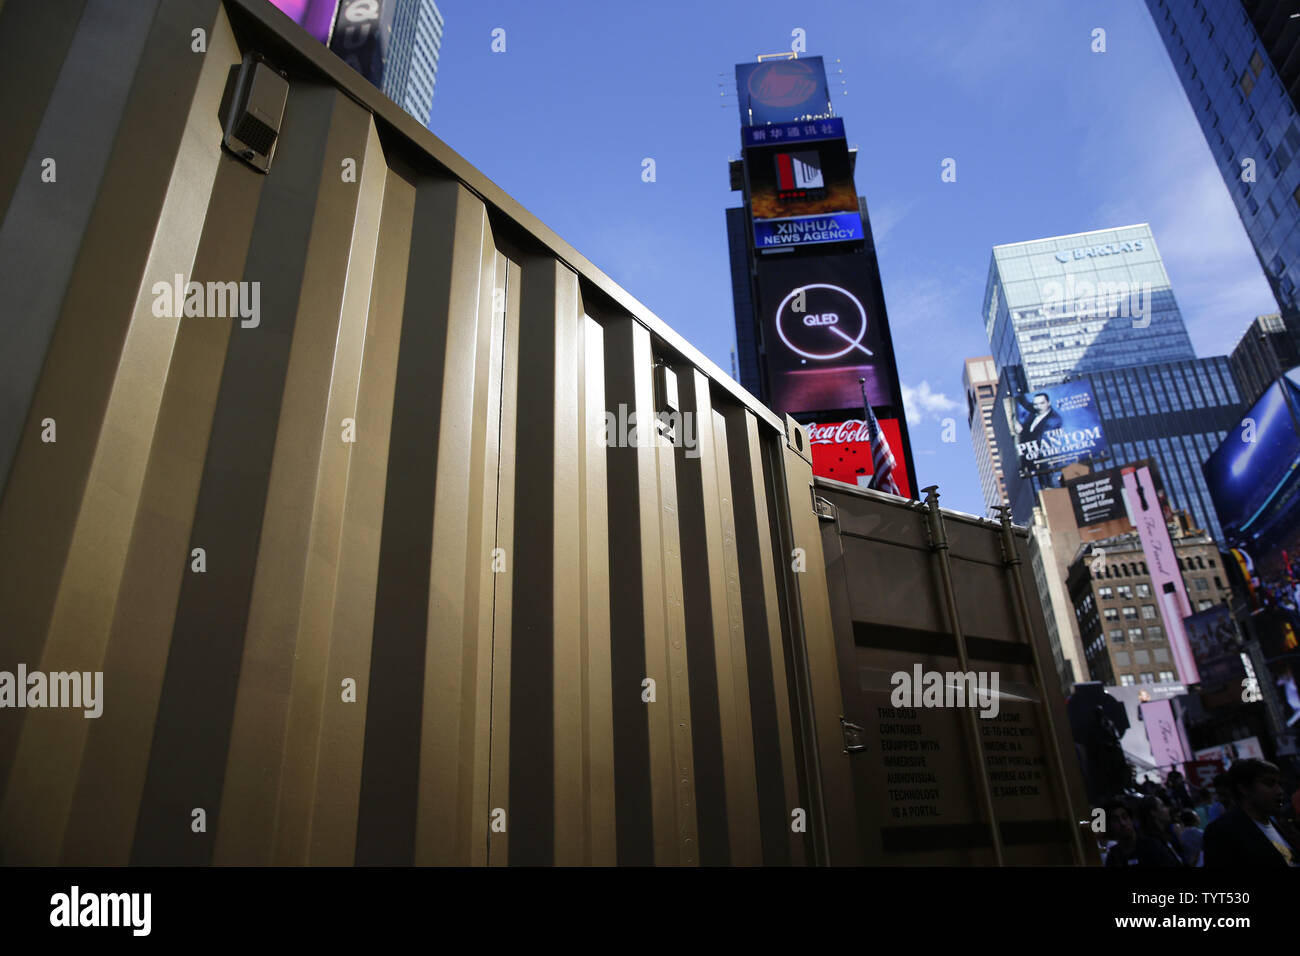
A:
871, 428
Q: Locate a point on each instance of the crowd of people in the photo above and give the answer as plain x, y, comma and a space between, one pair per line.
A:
1246, 822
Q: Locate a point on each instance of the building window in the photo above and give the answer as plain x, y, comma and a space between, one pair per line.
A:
1166, 677
1144, 590
1202, 584
1154, 633
1257, 63
1117, 636
1125, 591
1125, 680
1135, 634
1110, 614
1204, 605
1217, 583
1145, 678
1148, 612
1130, 613
1105, 593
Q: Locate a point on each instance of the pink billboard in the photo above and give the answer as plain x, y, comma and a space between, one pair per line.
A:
1163, 733
1149, 517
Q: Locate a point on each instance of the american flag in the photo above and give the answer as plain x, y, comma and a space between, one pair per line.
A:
882, 459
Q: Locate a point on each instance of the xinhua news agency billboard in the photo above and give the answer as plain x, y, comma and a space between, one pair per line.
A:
823, 329
777, 91
1057, 425
801, 192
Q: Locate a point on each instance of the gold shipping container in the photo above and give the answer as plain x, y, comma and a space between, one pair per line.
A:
343, 530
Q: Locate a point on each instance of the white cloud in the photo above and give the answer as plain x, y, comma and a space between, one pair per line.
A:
920, 401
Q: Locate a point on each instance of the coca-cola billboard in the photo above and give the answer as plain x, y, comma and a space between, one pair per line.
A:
841, 451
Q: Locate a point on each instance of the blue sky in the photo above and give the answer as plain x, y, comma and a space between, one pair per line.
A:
1049, 138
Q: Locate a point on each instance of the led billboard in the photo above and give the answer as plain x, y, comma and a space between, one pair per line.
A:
362, 31
777, 91
1057, 425
1254, 474
1213, 640
841, 451
802, 194
823, 329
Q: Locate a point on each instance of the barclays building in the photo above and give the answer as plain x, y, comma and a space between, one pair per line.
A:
1099, 306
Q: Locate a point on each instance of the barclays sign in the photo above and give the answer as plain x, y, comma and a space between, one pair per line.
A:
1109, 249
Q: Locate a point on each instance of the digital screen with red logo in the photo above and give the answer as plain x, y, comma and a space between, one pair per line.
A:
802, 193
841, 451
821, 333
776, 91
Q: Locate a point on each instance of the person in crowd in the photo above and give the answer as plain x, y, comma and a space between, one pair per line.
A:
1202, 807
1250, 834
1176, 787
1222, 798
1119, 826
1156, 829
1190, 837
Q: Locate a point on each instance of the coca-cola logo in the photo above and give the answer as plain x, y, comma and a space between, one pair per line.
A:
838, 433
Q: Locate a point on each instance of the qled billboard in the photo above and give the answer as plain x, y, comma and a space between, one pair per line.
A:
776, 91
1057, 425
823, 329
802, 194
362, 32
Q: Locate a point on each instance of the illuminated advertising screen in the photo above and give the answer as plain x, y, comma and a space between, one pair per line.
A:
1254, 474
1057, 425
362, 31
776, 91
823, 329
314, 16
841, 451
1213, 640
802, 193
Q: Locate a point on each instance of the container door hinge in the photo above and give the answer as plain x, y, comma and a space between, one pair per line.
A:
855, 736
824, 509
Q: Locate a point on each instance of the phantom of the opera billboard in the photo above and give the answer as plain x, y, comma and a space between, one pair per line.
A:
801, 193
777, 91
821, 333
841, 451
1057, 425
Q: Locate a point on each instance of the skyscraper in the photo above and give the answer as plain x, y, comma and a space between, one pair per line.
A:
394, 44
1067, 305
1097, 307
979, 379
413, 63
1269, 347
1237, 62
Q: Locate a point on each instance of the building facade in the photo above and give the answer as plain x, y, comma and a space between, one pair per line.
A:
1070, 305
1124, 642
1237, 64
1269, 347
412, 70
979, 380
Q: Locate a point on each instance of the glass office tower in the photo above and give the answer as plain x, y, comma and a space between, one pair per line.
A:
410, 76
1228, 55
1068, 305
1174, 413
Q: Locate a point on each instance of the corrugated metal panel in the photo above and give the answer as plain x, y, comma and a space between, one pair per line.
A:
363, 579
496, 581
940, 784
